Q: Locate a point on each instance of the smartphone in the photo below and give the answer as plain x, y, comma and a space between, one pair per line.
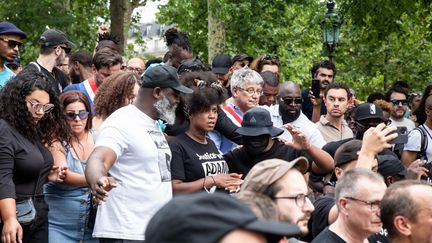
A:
402, 136
316, 88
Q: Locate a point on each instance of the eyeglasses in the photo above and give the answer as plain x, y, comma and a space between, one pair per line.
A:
135, 70
251, 91
67, 50
12, 43
374, 206
36, 106
397, 102
82, 114
300, 199
290, 100
63, 65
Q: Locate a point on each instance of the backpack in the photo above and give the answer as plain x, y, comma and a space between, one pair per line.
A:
399, 148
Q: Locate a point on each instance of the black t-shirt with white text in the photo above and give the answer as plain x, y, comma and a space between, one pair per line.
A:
192, 161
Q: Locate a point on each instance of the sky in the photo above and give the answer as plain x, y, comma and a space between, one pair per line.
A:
148, 12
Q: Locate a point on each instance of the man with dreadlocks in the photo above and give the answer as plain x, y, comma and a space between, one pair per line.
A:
179, 47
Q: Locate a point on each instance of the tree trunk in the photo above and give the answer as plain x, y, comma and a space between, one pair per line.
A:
117, 16
216, 32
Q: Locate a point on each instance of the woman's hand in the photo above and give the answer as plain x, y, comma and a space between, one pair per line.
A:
231, 182
57, 174
12, 231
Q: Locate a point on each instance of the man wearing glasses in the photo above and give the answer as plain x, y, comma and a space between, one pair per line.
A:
54, 45
358, 196
246, 88
282, 182
288, 110
10, 44
397, 96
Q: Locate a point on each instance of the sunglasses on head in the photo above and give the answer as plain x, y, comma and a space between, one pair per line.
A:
12, 43
396, 102
289, 100
270, 57
82, 114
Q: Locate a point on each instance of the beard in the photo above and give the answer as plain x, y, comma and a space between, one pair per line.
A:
166, 110
288, 117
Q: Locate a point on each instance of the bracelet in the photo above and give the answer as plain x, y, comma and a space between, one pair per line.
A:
214, 181
205, 188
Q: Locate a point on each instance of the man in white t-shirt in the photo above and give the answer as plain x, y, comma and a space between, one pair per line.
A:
414, 146
131, 160
289, 111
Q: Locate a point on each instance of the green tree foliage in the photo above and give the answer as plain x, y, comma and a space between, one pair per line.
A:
381, 41
77, 18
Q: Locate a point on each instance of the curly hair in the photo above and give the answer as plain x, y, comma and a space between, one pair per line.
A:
14, 110
114, 91
73, 96
175, 38
202, 99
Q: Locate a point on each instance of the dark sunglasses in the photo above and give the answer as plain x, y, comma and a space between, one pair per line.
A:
396, 102
289, 101
81, 114
67, 50
12, 43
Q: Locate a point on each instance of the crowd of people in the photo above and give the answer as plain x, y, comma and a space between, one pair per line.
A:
97, 148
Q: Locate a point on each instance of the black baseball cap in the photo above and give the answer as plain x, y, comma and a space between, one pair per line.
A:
163, 76
368, 111
7, 28
203, 217
389, 165
256, 122
347, 152
53, 37
221, 63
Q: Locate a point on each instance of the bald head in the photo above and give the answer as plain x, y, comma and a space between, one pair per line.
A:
288, 87
136, 65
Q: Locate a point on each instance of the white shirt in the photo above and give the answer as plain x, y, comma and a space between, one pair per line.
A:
414, 142
404, 123
142, 173
302, 123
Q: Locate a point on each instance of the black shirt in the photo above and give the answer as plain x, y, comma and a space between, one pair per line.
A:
328, 236
192, 161
56, 78
319, 217
24, 166
239, 161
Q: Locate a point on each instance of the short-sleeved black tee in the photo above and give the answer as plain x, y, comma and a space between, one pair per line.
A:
56, 78
239, 161
319, 217
328, 236
192, 161
24, 166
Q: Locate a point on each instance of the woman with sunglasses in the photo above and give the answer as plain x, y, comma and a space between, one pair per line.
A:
30, 119
69, 201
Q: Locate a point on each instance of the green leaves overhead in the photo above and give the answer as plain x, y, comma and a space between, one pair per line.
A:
380, 42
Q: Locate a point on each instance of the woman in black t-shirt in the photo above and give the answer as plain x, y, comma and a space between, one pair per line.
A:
196, 162
30, 119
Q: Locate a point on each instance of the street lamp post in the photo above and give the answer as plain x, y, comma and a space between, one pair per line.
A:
331, 28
